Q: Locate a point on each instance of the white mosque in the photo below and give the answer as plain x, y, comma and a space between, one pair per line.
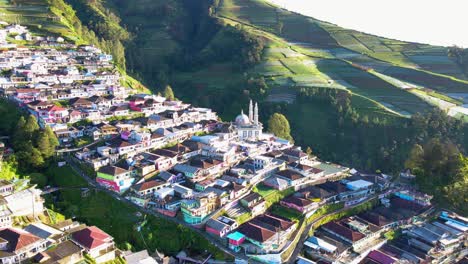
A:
248, 127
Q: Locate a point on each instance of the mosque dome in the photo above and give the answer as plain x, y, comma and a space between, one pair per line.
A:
242, 120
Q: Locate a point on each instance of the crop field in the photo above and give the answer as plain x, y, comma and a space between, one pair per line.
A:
33, 13
428, 80
255, 12
435, 59
286, 66
366, 84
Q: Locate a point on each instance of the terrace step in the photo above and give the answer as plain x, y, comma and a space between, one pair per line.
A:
236, 211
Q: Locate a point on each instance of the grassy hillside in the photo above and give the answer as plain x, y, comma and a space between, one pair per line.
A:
332, 83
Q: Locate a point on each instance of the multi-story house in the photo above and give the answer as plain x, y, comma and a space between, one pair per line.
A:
25, 202
17, 245
115, 178
196, 210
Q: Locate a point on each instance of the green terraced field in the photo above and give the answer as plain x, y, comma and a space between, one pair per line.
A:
35, 14
300, 52
286, 66
368, 85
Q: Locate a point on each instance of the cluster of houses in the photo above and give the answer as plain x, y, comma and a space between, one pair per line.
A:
181, 161
62, 242
10, 33
439, 241
28, 234
362, 238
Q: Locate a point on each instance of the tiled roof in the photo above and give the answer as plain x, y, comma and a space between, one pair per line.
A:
165, 153
380, 257
55, 108
297, 201
112, 170
252, 197
255, 232
17, 239
275, 221
343, 231
290, 174
91, 237
295, 153
61, 251
147, 185
205, 163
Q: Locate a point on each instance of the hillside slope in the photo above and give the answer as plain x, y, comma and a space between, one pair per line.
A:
345, 93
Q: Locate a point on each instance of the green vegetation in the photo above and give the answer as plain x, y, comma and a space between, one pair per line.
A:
83, 141
168, 93
34, 147
345, 213
441, 169
286, 212
271, 195
326, 209
120, 219
461, 57
392, 234
221, 54
243, 218
279, 126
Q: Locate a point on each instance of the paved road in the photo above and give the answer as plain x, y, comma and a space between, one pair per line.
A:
305, 234
60, 151
212, 240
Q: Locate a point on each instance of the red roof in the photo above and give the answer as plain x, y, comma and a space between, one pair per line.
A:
255, 232
297, 201
27, 91
56, 108
380, 257
75, 113
17, 239
91, 237
343, 231
148, 185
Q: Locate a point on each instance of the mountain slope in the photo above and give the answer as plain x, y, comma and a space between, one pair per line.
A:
346, 94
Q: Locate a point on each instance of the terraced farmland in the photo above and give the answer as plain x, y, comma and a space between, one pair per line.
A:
341, 58
368, 85
440, 83
36, 14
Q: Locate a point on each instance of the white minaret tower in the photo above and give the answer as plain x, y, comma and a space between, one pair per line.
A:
256, 114
251, 117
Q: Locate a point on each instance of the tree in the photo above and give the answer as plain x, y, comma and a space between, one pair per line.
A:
168, 93
43, 145
309, 151
31, 125
415, 158
53, 141
279, 126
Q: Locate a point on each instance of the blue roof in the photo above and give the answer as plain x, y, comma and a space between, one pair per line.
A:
236, 236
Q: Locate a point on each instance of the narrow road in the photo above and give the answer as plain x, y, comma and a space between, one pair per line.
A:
305, 234
85, 146
212, 240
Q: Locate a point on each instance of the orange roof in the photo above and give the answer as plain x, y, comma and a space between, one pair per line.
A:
56, 108
18, 239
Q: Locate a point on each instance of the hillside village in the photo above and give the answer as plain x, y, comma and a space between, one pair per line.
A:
254, 193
